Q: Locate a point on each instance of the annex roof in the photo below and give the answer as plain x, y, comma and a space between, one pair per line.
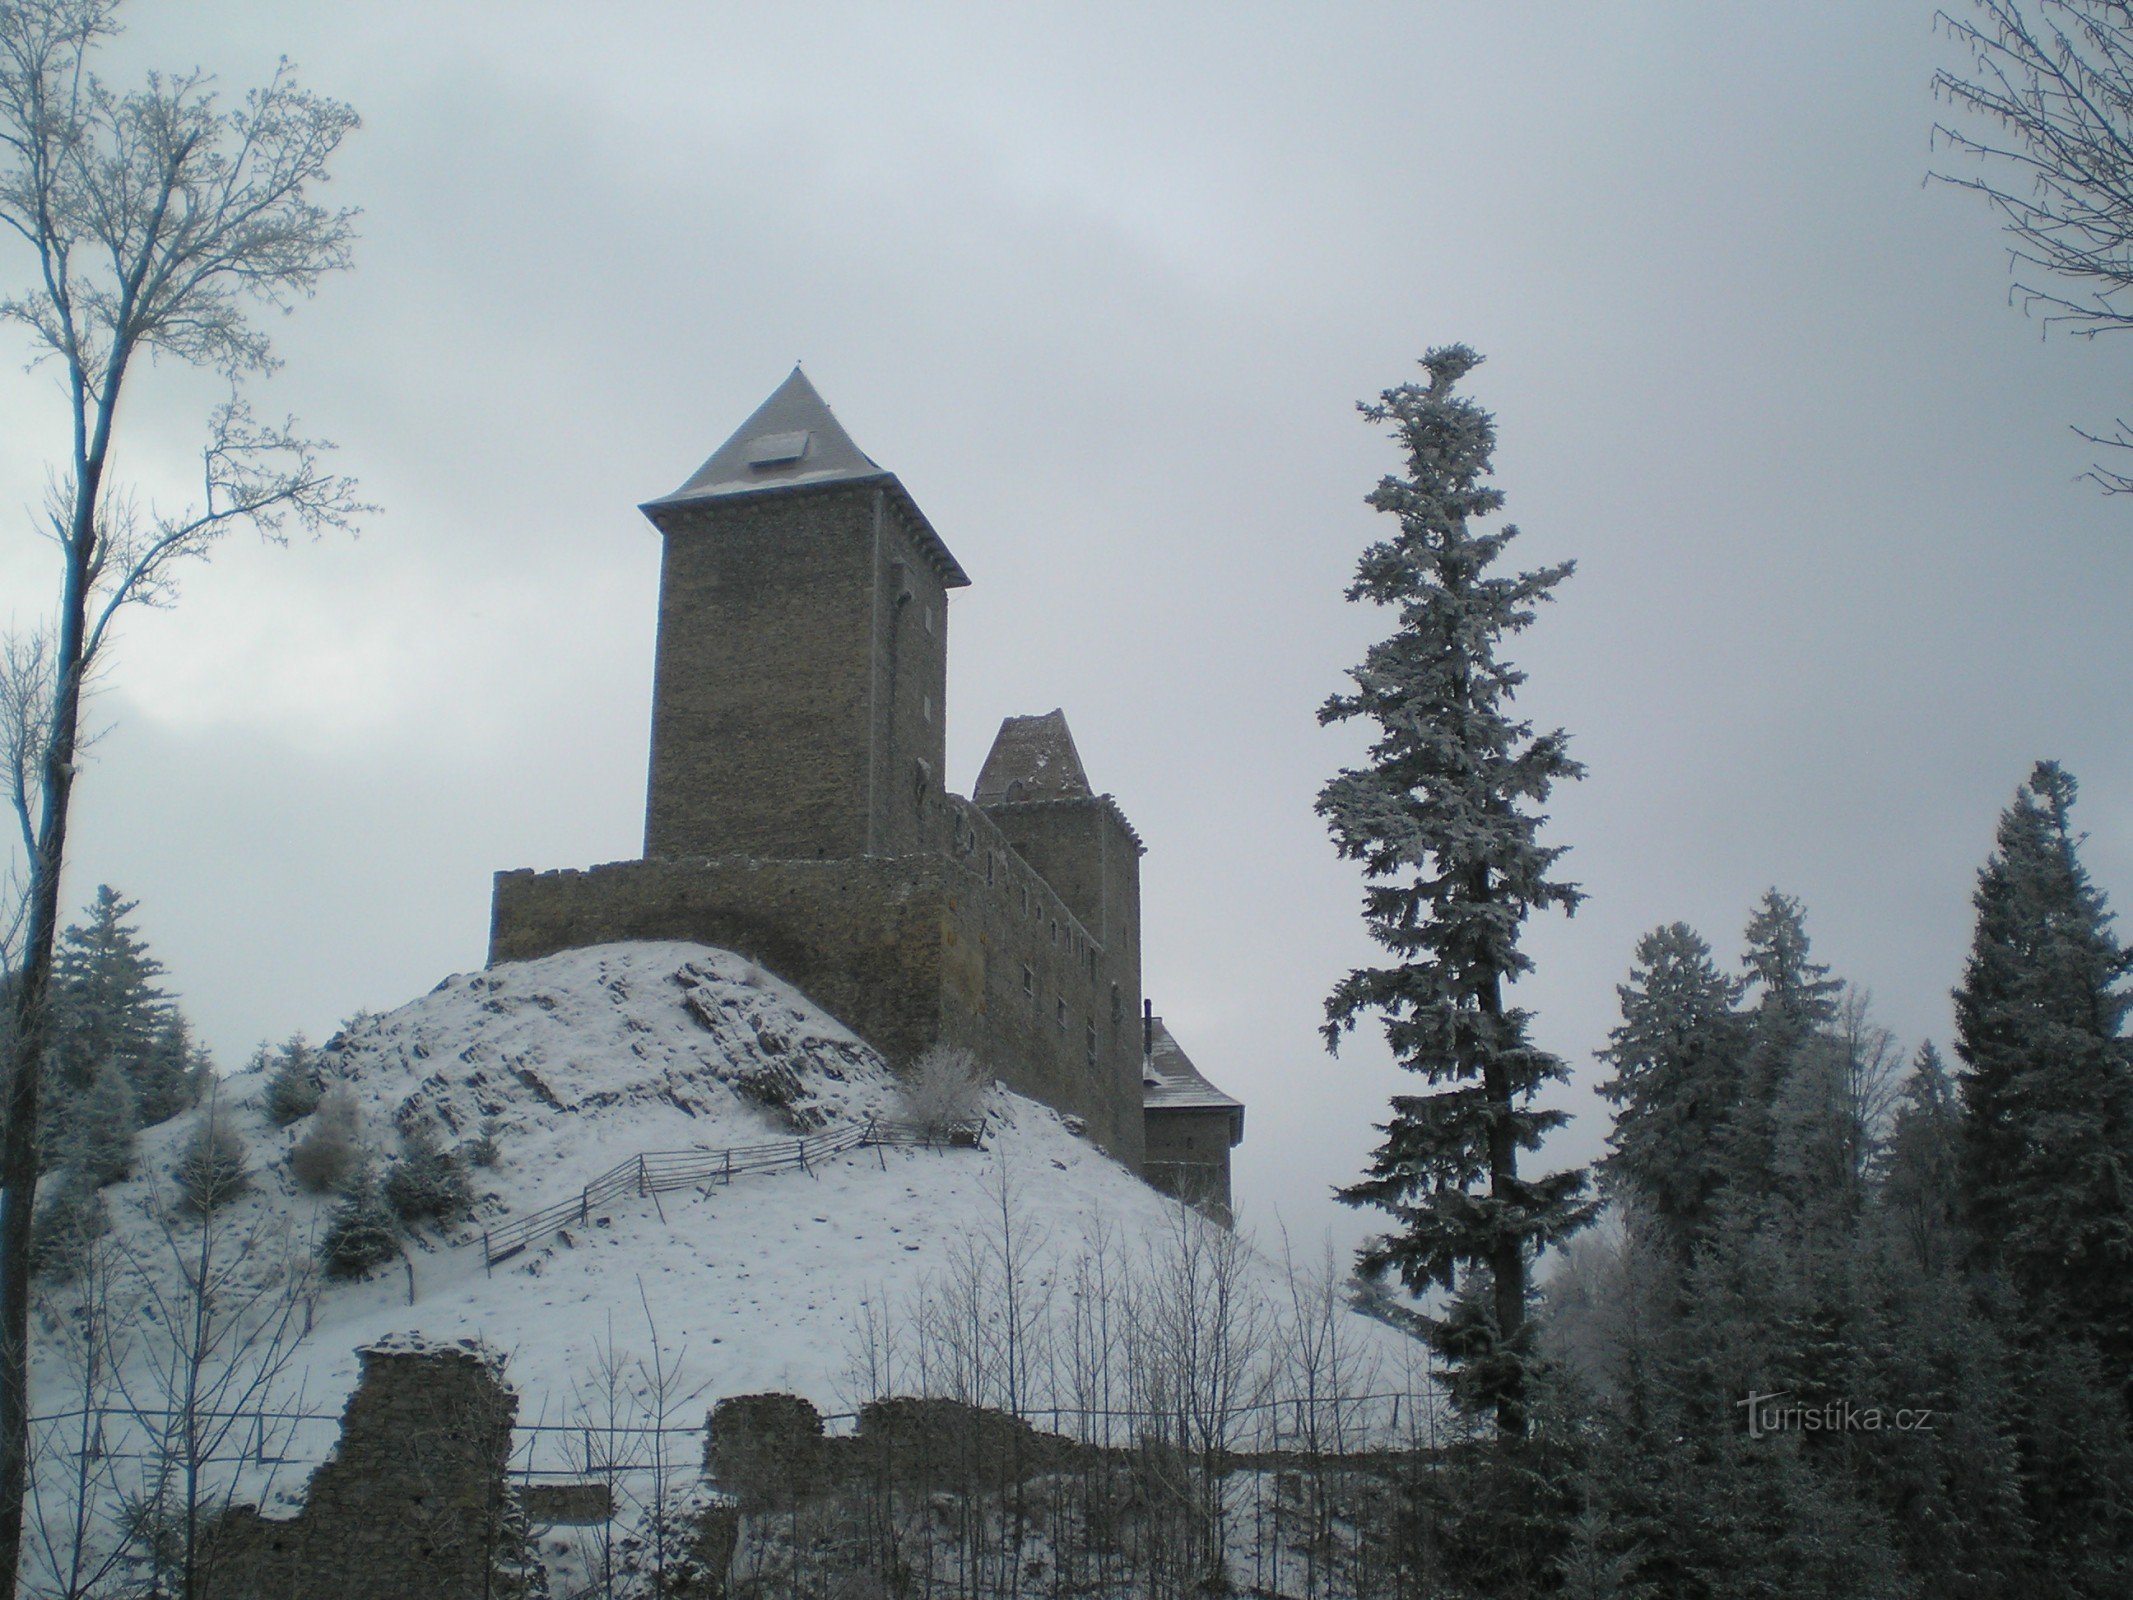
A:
794, 441
1033, 758
1170, 1082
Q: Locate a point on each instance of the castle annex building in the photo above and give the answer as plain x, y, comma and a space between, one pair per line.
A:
797, 809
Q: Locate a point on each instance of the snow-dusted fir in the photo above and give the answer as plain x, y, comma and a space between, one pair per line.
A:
1444, 820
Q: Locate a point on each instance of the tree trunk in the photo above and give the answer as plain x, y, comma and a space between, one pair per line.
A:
1507, 1258
18, 1142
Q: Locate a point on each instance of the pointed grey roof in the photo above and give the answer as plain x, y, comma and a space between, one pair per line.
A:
1170, 1082
794, 441
1033, 758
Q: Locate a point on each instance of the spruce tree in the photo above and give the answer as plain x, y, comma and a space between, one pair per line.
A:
1677, 1081
1443, 820
2047, 1133
1794, 1003
1918, 1192
109, 1007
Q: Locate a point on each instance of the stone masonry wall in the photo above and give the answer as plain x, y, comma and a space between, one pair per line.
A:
760, 703
410, 1504
1188, 1156
963, 943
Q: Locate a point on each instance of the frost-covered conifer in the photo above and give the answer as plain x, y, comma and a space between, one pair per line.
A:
361, 1232
294, 1087
211, 1168
1794, 1004
2047, 1141
1443, 820
426, 1184
110, 1008
1677, 1059
1918, 1184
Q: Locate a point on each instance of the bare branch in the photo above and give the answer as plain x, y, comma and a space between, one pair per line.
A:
2057, 78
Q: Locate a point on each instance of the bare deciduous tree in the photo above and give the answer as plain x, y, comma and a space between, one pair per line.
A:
2050, 83
153, 223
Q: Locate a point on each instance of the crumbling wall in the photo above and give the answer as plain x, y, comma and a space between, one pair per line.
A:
412, 1502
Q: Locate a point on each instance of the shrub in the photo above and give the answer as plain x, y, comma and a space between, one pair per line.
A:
943, 1088
211, 1170
71, 1218
324, 1157
362, 1232
294, 1090
425, 1184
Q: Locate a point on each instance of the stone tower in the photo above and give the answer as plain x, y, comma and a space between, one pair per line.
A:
798, 705
796, 809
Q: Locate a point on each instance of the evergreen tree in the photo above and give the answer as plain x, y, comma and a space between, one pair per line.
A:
1918, 1192
296, 1085
2047, 1133
211, 1168
426, 1184
1677, 1060
93, 1127
361, 1232
1795, 1001
109, 1007
1443, 821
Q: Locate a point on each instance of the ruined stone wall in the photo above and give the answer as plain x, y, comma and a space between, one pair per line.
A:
761, 694
410, 1504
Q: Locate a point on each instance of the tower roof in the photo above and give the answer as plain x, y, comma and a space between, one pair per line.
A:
794, 441
1033, 758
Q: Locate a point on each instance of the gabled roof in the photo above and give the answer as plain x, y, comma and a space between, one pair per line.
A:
794, 441
1033, 758
1170, 1082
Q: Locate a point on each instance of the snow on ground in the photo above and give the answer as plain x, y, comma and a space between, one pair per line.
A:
577, 1062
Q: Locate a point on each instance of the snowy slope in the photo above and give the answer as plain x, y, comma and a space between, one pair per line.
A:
577, 1062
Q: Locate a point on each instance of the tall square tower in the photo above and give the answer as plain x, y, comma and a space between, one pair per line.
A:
799, 700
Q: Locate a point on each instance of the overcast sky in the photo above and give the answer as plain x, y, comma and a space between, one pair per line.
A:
1103, 284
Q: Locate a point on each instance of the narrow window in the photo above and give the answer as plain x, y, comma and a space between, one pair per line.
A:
1029, 980
1117, 1005
1062, 1015
1092, 1044
991, 860
925, 707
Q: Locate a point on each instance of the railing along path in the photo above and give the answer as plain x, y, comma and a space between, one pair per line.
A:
663, 1171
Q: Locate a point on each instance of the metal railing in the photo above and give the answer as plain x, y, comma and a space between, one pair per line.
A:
653, 1172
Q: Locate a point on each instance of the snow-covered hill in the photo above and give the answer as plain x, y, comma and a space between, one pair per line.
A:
576, 1062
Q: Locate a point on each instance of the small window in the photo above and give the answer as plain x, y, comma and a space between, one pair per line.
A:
1092, 1044
991, 861
1117, 1005
1029, 980
929, 619
1061, 1004
925, 707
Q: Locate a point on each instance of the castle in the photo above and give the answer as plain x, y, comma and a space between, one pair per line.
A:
797, 809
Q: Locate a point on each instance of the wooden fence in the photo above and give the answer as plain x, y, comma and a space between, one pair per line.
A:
663, 1171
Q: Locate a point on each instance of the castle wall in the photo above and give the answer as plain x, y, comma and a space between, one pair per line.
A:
760, 704
1188, 1156
910, 687
963, 943
861, 937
